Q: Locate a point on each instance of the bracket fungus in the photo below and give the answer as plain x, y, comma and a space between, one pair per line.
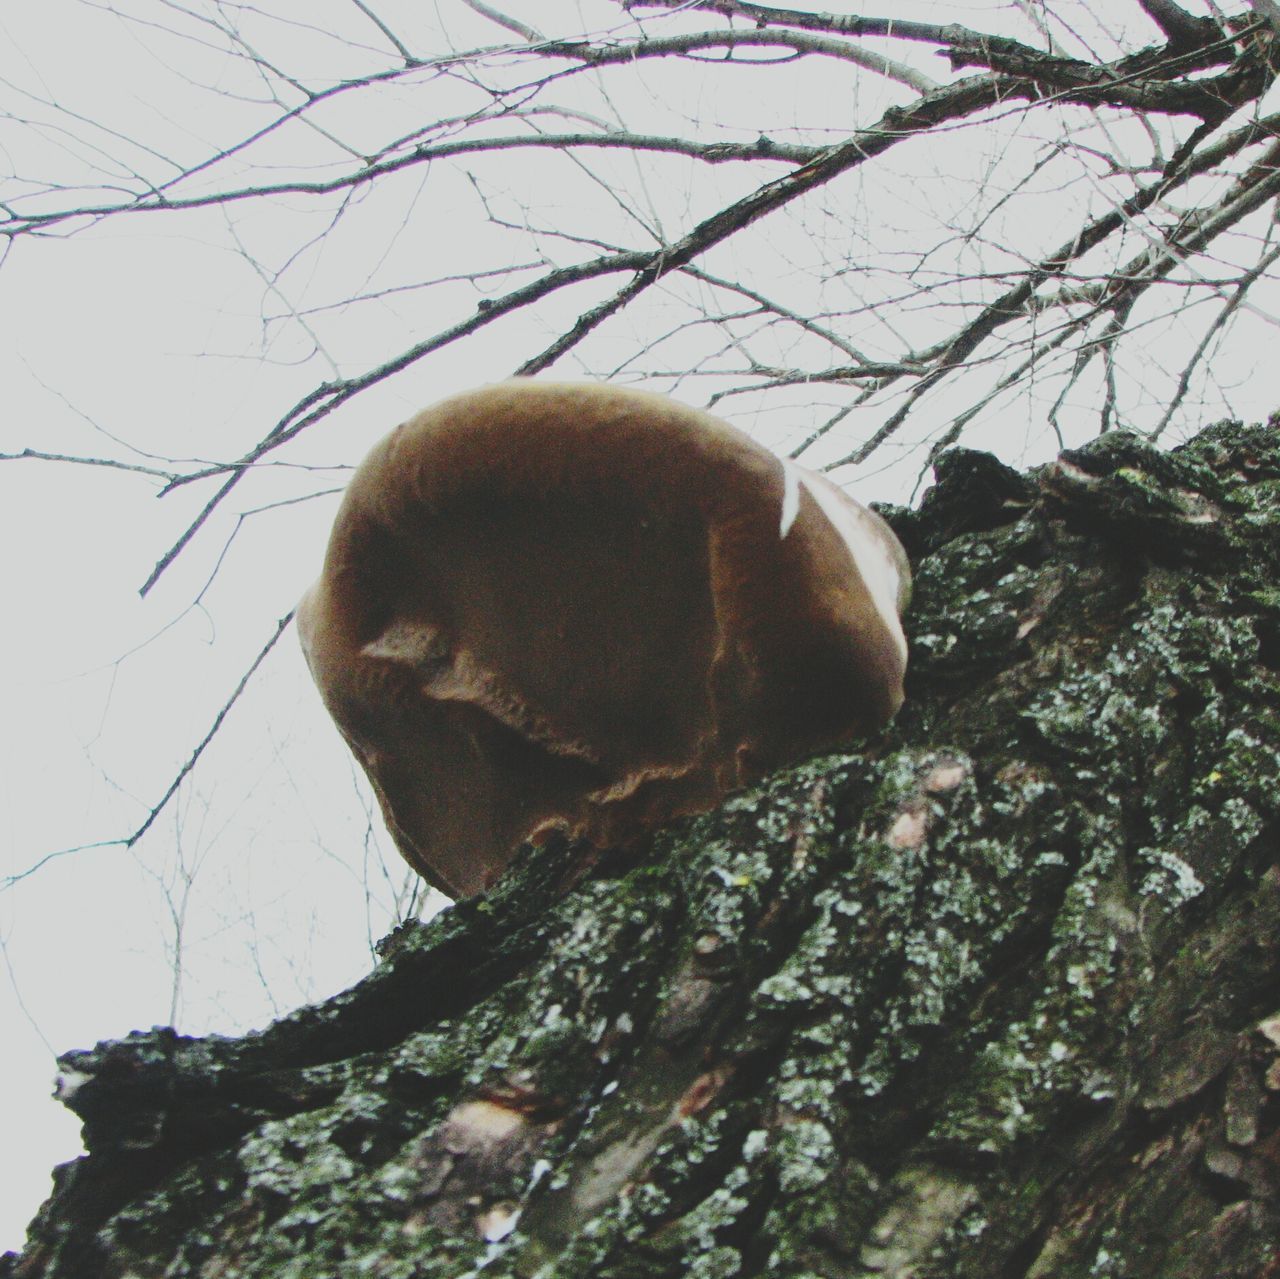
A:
577, 607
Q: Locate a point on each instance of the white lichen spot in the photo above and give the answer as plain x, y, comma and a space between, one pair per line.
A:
1269, 1028
715, 1263
1011, 1122
498, 1221
1105, 1262
1100, 1086
1078, 978
68, 1083
783, 989
806, 1154
1170, 879
940, 644
398, 1183
1243, 818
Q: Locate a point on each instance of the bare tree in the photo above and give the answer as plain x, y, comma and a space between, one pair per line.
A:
876, 236
865, 238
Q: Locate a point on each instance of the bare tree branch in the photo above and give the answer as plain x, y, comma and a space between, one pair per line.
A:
1211, 334
194, 758
108, 462
521, 29
648, 267
157, 202
930, 110
765, 38
153, 814
1016, 234
1015, 301
947, 35
395, 40
1180, 27
324, 399
1031, 73
1132, 82
1269, 11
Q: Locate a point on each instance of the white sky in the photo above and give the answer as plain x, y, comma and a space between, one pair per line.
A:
158, 335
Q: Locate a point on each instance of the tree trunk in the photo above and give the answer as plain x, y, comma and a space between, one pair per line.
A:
998, 996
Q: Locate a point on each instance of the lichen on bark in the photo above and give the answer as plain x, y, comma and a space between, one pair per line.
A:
997, 994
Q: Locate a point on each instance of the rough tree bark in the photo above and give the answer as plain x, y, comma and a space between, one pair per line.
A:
997, 996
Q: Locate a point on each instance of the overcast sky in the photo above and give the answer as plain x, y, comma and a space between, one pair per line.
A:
153, 338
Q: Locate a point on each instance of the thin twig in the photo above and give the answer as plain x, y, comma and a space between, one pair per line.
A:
108, 462
128, 841
194, 757
504, 20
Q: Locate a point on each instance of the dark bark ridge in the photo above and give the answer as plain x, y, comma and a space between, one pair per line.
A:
997, 996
